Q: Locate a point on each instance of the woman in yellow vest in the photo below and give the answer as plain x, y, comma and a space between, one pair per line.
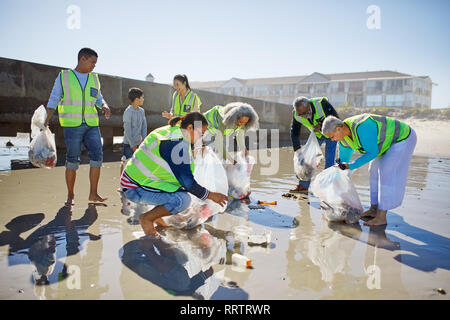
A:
184, 100
233, 118
388, 145
161, 170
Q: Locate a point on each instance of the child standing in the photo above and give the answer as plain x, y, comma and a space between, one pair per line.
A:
134, 124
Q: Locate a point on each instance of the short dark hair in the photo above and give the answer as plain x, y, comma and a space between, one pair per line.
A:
86, 52
135, 93
182, 78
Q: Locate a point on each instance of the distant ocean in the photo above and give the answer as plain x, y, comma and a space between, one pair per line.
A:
16, 157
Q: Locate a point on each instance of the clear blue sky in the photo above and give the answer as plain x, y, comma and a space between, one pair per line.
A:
217, 40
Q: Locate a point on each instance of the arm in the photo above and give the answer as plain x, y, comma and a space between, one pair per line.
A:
240, 139
345, 153
182, 171
144, 126
55, 97
101, 104
367, 133
127, 130
328, 109
295, 133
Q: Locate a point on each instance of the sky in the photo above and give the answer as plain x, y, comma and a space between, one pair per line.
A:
217, 40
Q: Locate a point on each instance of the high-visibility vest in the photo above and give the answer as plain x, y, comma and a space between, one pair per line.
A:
148, 168
181, 108
76, 103
317, 115
389, 131
214, 116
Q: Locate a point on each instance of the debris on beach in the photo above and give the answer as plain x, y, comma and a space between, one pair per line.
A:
267, 203
441, 291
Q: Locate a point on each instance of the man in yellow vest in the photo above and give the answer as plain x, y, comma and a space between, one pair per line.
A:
161, 170
310, 113
77, 95
388, 145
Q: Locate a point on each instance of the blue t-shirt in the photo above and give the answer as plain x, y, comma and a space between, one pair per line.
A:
368, 137
57, 91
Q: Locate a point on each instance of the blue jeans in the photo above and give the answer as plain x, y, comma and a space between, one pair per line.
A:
174, 202
127, 151
330, 153
90, 137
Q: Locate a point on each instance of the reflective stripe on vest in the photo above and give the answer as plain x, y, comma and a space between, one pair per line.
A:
214, 116
318, 114
389, 131
77, 103
148, 168
180, 109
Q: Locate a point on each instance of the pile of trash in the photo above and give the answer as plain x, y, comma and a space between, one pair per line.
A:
42, 152
339, 200
307, 158
239, 176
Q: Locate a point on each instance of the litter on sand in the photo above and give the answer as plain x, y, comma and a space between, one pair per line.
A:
267, 203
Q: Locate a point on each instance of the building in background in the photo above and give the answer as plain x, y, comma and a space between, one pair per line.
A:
150, 78
357, 89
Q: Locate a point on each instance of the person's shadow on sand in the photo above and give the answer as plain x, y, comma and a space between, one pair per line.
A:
429, 250
40, 246
176, 265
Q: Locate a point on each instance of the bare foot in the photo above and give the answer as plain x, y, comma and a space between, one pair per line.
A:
148, 227
160, 222
97, 198
370, 213
377, 221
70, 201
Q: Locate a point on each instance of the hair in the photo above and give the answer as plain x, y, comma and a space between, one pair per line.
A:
330, 123
300, 102
235, 110
189, 118
86, 52
135, 93
183, 78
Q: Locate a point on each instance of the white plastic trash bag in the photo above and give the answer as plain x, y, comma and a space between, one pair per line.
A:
307, 158
338, 197
42, 152
209, 173
239, 176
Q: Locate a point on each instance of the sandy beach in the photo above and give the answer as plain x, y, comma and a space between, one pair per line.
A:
92, 252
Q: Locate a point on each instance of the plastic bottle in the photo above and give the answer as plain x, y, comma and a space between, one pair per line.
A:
241, 261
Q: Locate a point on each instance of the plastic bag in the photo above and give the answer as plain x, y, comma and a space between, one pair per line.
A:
209, 173
42, 151
239, 176
307, 158
339, 200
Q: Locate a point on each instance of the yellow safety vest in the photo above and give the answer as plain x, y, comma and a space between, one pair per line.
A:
318, 114
389, 131
181, 108
148, 168
76, 103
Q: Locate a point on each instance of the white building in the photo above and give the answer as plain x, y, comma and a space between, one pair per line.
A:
357, 89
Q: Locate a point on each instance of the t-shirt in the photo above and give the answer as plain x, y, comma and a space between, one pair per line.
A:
134, 126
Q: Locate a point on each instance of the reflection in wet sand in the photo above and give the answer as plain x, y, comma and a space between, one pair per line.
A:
96, 255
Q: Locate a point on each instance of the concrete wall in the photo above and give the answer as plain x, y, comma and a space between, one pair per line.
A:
25, 85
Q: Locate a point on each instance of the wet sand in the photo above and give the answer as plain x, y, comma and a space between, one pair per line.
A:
90, 252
